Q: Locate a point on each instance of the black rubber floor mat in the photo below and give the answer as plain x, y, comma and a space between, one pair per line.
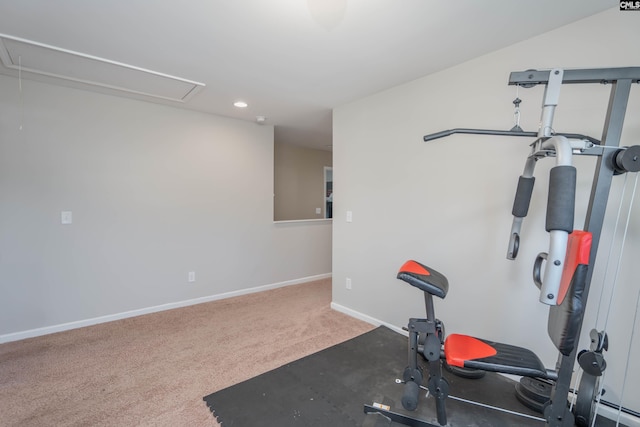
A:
330, 388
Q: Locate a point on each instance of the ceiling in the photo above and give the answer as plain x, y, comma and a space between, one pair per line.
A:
292, 61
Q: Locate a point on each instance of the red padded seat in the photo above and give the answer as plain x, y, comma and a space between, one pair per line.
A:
475, 353
424, 278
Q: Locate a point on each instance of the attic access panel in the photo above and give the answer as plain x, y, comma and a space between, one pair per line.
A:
27, 56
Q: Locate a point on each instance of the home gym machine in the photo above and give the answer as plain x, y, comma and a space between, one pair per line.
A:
563, 274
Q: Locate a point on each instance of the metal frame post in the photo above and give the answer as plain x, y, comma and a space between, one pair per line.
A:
594, 221
621, 80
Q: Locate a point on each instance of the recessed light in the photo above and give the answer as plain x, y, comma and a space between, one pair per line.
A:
240, 104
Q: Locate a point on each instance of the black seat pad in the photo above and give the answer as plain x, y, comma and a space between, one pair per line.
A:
469, 352
424, 278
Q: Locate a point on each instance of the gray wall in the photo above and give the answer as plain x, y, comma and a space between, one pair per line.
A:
155, 192
448, 203
299, 182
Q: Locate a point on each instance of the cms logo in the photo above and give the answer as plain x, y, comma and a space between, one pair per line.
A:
629, 5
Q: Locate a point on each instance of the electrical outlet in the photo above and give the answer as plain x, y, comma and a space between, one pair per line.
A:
349, 216
318, 211
348, 283
66, 217
191, 277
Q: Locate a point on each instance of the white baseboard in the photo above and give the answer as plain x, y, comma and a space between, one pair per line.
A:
367, 318
612, 414
15, 336
605, 411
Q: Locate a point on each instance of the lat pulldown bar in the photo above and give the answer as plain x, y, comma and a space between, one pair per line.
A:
449, 132
561, 196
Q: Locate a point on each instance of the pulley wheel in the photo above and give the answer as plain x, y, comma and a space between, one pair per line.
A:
628, 159
585, 408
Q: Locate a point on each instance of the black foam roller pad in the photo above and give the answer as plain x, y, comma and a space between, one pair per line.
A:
562, 199
523, 196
